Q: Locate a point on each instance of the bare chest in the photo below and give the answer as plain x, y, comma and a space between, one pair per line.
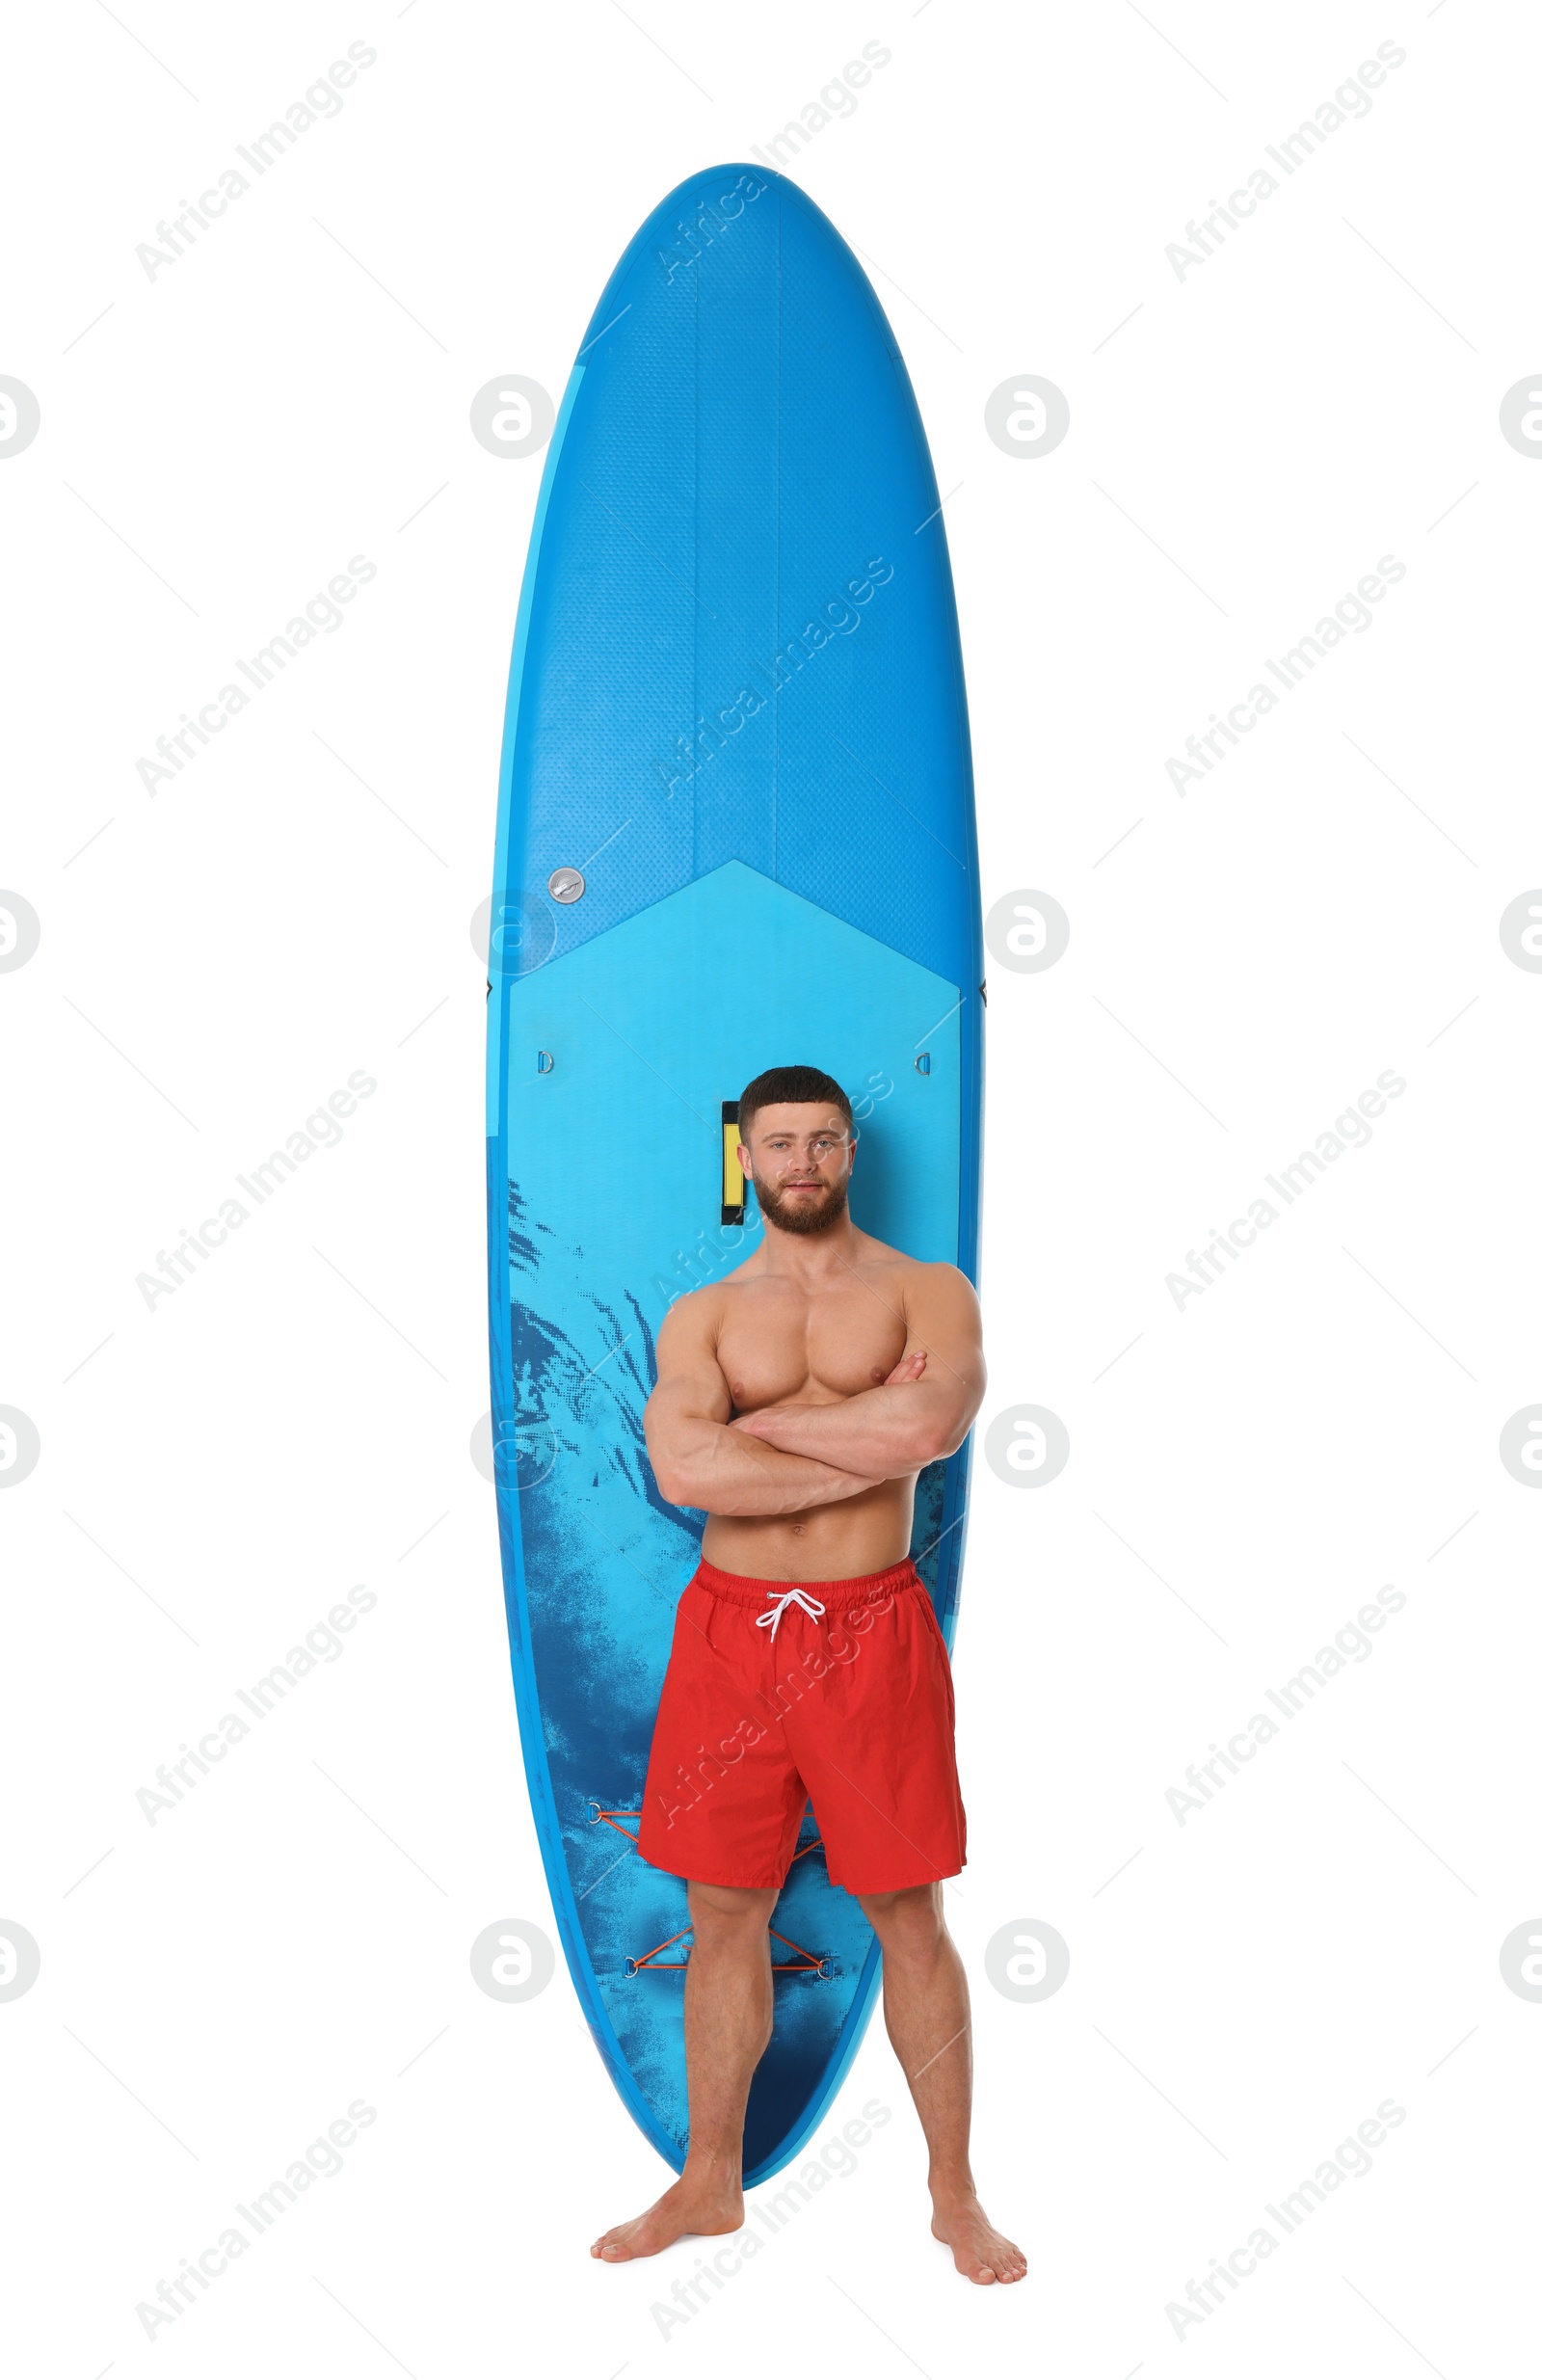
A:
778, 1343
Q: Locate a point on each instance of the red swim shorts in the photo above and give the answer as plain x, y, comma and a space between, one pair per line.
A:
837, 1691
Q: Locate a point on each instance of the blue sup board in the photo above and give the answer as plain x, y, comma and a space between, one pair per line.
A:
735, 830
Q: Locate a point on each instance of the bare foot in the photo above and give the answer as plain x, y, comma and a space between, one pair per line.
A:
687, 2206
980, 2252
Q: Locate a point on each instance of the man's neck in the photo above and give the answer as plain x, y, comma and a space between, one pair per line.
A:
812, 1258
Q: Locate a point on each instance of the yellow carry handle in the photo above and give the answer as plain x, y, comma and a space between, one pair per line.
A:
732, 1171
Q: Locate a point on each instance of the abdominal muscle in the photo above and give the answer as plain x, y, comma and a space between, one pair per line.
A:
848, 1539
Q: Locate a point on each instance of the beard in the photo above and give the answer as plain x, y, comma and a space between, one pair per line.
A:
804, 1215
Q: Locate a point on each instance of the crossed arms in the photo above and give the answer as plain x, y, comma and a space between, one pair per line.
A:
787, 1457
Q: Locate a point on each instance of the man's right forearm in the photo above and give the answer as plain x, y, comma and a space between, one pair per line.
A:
737, 1477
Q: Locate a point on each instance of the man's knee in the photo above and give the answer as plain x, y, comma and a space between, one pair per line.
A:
723, 1906
912, 1915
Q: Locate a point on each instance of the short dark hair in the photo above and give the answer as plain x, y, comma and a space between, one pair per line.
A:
800, 1085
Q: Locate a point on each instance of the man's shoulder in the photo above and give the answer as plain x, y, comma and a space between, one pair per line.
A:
938, 1297
699, 1312
694, 1310
917, 1271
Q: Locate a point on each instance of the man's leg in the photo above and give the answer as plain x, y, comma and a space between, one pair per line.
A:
727, 2024
926, 2008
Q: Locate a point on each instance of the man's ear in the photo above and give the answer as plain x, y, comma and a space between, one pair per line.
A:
744, 1162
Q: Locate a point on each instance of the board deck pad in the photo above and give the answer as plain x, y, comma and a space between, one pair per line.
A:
737, 709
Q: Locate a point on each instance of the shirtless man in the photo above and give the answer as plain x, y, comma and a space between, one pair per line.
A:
797, 1400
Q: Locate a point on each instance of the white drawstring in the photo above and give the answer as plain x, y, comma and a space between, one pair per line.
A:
772, 1619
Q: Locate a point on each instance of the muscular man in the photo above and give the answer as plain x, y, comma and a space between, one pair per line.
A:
797, 1400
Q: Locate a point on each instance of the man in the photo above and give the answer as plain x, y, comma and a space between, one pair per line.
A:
797, 1400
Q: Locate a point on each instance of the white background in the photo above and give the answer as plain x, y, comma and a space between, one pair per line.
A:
1245, 442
